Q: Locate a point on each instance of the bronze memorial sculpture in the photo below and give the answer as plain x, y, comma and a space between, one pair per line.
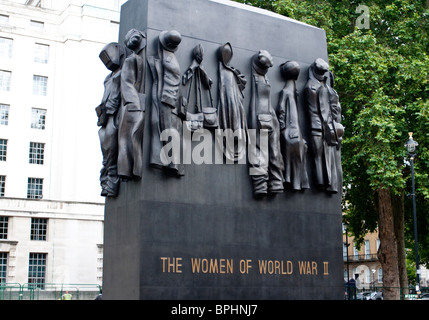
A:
279, 152
256, 216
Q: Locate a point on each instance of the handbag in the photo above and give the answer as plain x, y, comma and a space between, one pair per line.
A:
210, 115
193, 121
101, 115
205, 116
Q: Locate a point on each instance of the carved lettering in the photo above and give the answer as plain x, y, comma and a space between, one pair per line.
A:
171, 265
325, 268
275, 267
221, 266
244, 266
307, 267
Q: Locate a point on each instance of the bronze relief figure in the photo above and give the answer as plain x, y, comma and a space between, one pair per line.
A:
294, 147
333, 131
131, 122
312, 103
267, 173
324, 113
112, 56
230, 104
200, 111
165, 120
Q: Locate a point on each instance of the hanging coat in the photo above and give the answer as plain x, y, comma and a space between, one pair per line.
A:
230, 104
263, 116
131, 123
164, 110
294, 148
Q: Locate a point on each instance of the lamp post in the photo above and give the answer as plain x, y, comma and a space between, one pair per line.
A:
411, 149
347, 244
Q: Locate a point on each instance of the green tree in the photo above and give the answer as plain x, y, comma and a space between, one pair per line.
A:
382, 78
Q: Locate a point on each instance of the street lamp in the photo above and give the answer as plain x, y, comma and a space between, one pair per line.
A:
347, 244
411, 145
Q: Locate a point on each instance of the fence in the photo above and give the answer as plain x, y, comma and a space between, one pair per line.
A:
56, 291
48, 291
376, 293
10, 291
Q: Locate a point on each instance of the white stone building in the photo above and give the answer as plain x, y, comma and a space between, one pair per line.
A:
51, 80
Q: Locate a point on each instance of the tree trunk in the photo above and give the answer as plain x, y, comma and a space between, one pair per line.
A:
398, 216
388, 250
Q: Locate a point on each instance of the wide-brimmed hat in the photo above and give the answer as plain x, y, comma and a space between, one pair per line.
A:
290, 70
170, 40
262, 61
321, 66
128, 36
113, 55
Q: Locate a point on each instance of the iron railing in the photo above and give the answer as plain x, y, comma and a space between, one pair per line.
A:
361, 257
376, 293
49, 291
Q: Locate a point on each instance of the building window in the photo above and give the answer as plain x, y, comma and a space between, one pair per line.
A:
367, 276
41, 53
367, 250
35, 188
345, 253
40, 85
37, 152
3, 149
6, 47
380, 275
2, 186
4, 114
39, 227
34, 3
38, 118
3, 267
4, 221
355, 252
4, 19
5, 77
39, 25
37, 269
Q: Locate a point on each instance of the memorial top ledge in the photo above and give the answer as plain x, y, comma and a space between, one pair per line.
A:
260, 11
216, 22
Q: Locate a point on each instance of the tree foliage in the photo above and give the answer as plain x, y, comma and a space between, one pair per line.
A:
381, 75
